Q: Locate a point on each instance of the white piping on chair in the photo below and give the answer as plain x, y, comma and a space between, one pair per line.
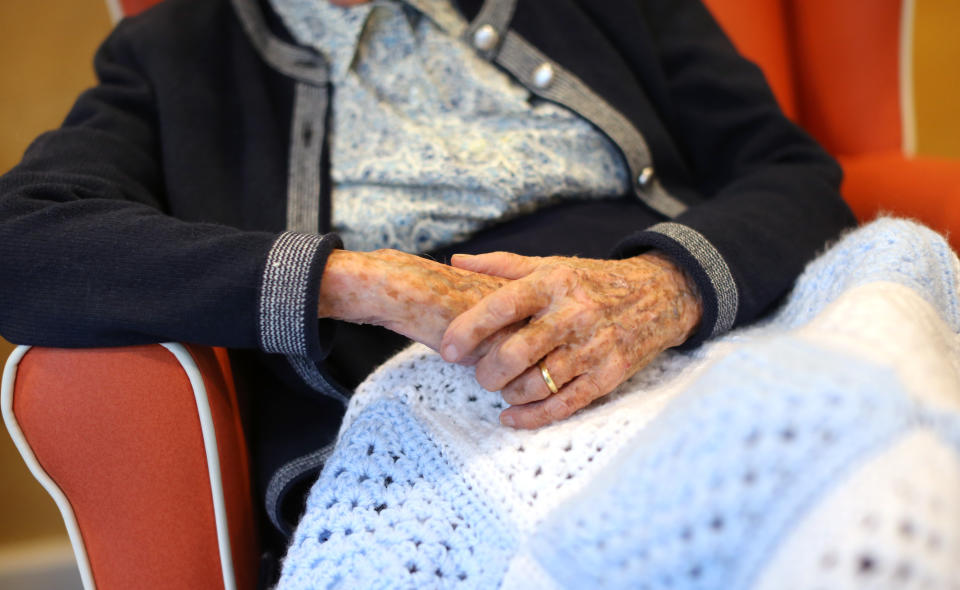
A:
213, 459
116, 12
209, 444
13, 427
908, 107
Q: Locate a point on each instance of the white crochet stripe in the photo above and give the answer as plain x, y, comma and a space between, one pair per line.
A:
284, 293
895, 520
728, 296
833, 409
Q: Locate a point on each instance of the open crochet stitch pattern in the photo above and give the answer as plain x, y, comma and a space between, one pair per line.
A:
818, 448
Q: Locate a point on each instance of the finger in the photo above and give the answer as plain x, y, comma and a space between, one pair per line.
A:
509, 359
507, 305
576, 395
489, 344
562, 365
500, 264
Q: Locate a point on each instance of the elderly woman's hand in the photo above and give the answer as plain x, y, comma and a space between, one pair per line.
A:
408, 294
592, 324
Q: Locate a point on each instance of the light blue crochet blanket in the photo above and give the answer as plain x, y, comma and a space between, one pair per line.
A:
697, 473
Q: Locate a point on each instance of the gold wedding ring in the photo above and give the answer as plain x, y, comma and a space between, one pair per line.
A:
547, 378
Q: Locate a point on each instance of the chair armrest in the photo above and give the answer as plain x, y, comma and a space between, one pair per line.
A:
927, 189
143, 450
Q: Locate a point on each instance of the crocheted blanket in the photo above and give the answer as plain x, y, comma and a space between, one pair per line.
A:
820, 448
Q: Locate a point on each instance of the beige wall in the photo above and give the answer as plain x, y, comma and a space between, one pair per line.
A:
936, 77
46, 48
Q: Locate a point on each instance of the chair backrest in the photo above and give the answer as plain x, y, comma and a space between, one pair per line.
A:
847, 69
833, 64
863, 76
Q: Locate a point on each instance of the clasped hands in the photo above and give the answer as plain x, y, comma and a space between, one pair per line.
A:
590, 323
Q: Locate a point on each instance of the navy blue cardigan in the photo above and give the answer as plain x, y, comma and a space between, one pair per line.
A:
149, 215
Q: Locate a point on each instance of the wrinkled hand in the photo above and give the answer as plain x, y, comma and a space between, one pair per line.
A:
408, 294
594, 323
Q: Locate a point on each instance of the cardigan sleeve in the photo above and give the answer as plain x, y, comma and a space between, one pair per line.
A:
772, 199
90, 257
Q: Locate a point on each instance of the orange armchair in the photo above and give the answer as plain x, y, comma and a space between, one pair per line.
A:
143, 451
142, 447
842, 70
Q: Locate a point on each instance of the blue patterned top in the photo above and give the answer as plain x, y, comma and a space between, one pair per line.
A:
431, 143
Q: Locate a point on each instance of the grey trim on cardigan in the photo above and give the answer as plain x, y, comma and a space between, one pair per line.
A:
713, 265
283, 322
287, 475
284, 293
529, 65
516, 55
307, 369
307, 131
304, 188
297, 62
496, 14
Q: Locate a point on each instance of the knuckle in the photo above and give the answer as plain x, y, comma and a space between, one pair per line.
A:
510, 360
512, 350
502, 305
565, 275
582, 318
588, 390
585, 359
558, 407
492, 374
620, 368
515, 394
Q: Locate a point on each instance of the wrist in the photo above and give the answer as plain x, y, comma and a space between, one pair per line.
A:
683, 292
349, 287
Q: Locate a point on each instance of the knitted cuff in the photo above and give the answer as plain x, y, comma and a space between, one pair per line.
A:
289, 292
696, 255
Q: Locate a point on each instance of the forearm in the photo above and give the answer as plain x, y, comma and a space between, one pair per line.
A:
107, 272
407, 294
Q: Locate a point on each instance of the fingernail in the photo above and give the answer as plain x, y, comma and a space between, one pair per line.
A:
450, 353
507, 420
